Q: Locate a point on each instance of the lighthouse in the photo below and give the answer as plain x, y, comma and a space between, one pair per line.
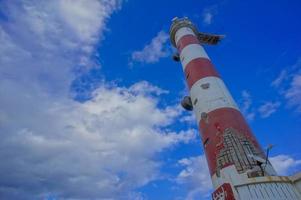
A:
238, 165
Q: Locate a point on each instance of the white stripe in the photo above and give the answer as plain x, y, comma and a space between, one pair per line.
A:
191, 52
182, 32
210, 98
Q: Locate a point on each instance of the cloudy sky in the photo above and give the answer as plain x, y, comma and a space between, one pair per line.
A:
89, 96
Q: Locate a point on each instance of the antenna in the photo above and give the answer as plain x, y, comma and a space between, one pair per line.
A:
270, 146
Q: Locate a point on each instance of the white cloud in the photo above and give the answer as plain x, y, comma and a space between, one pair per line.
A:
103, 148
188, 118
40, 35
250, 111
147, 88
208, 17
245, 105
281, 77
153, 51
293, 93
268, 108
247, 101
195, 176
288, 83
86, 18
284, 164
209, 13
50, 144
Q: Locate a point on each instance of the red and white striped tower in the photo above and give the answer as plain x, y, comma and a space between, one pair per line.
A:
234, 157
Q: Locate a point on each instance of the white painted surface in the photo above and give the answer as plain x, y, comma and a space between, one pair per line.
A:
230, 174
298, 185
257, 188
296, 179
191, 52
269, 191
215, 97
182, 32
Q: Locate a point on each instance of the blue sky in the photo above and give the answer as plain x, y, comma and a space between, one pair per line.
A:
89, 105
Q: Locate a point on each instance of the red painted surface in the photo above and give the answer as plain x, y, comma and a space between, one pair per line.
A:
224, 192
187, 40
218, 121
199, 68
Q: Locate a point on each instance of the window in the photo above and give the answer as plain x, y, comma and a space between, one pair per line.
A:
195, 101
187, 75
205, 86
206, 142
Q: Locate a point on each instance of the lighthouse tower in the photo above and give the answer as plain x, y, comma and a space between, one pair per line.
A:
238, 166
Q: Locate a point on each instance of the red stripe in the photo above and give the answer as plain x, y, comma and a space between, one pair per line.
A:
197, 69
187, 40
213, 128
